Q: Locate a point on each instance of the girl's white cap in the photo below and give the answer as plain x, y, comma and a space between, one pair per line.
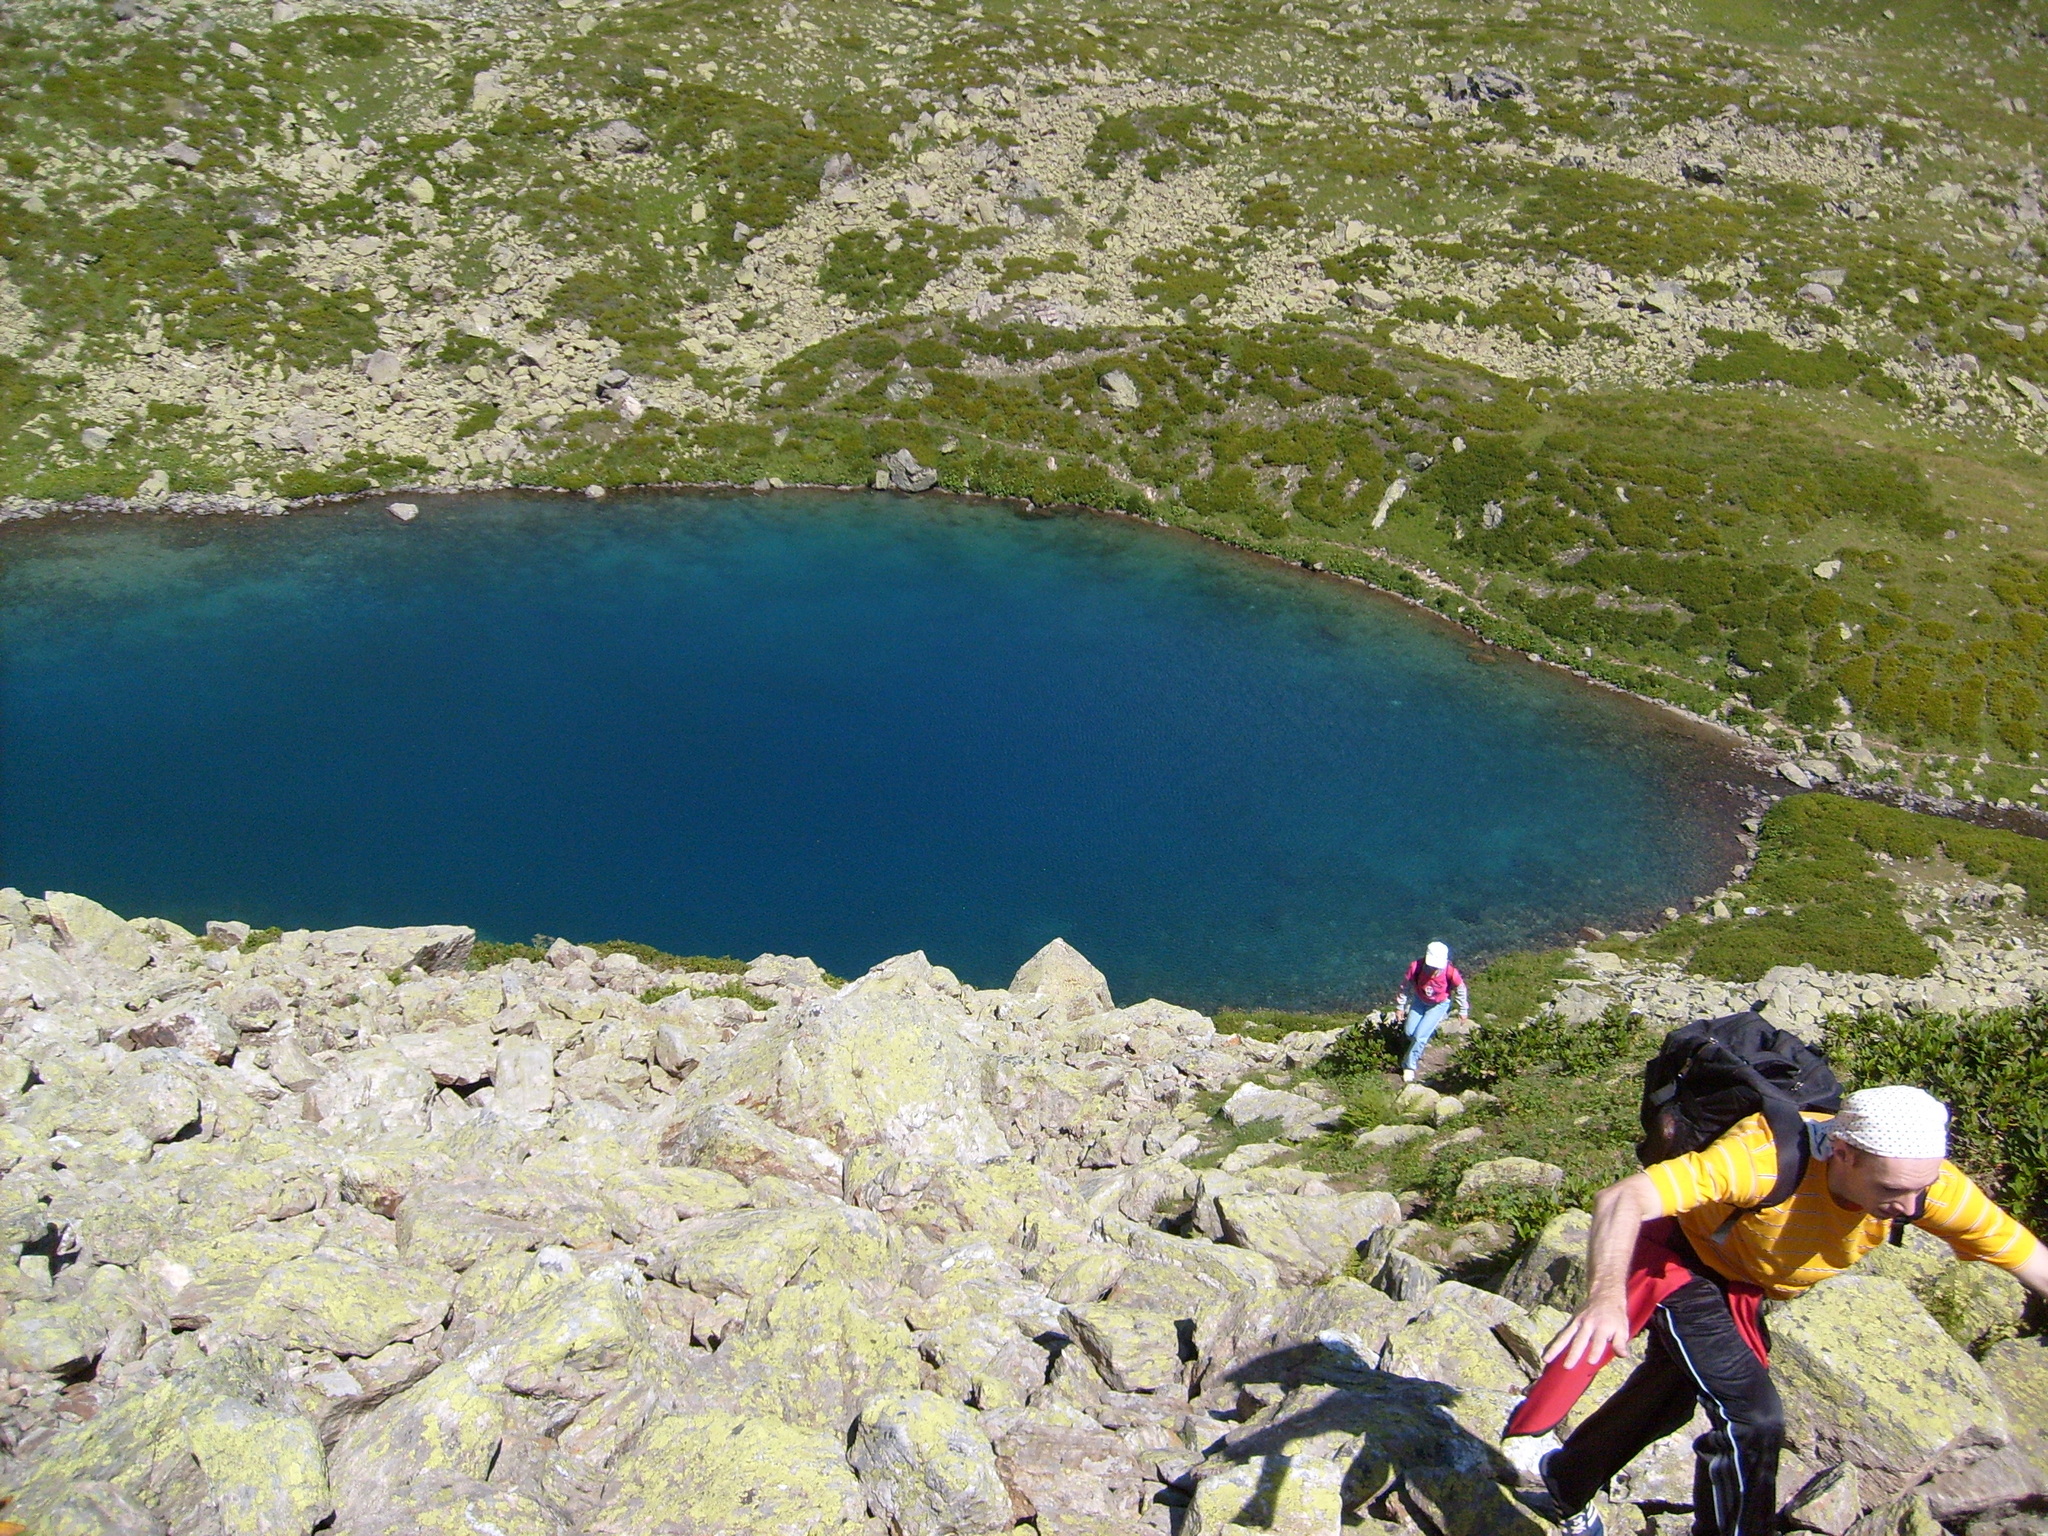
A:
1437, 956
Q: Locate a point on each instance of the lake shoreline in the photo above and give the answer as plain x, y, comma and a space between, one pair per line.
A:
203, 504
1734, 785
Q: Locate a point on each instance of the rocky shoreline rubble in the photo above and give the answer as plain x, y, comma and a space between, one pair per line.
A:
328, 1231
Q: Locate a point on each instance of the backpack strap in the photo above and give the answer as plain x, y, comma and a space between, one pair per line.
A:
1788, 1139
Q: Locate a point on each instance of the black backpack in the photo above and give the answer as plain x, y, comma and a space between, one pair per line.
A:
1713, 1072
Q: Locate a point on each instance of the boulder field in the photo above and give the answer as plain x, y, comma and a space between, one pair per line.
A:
332, 1232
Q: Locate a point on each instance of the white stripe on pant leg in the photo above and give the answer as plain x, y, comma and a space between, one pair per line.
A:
1741, 1486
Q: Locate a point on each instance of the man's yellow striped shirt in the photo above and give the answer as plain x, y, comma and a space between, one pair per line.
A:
1795, 1245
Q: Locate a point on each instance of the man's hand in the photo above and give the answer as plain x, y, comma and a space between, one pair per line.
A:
1600, 1330
1601, 1326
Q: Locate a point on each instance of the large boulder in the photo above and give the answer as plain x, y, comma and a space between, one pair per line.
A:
1299, 1116
1061, 977
1399, 1438
1508, 1173
928, 1467
755, 1253
523, 1077
734, 1140
453, 1058
2014, 1478
451, 1423
1282, 1494
1869, 1378
1133, 1351
811, 1355
1979, 1304
1552, 1272
882, 1061
1449, 1345
374, 1092
1309, 1238
265, 1470
84, 924
436, 948
199, 1028
345, 1304
1066, 1472
726, 1474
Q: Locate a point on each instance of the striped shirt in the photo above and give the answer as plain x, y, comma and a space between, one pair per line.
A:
1795, 1245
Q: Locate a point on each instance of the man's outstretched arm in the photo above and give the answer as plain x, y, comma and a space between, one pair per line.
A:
2033, 1272
1619, 1212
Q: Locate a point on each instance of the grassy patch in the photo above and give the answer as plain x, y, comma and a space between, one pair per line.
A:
1270, 1024
1823, 900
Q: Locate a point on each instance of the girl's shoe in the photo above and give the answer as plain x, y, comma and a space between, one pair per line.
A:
1407, 1074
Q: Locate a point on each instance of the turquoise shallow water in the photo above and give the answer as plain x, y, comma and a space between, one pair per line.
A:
840, 726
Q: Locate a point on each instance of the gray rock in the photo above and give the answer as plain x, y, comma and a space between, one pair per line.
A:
900, 471
1552, 1272
928, 1467
611, 140
523, 1078
1122, 390
1062, 977
178, 152
1509, 1173
840, 172
1300, 1117
737, 1141
1386, 1137
1134, 1351
1309, 1238
384, 366
198, 1027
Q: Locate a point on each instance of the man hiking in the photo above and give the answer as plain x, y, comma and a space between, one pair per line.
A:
1697, 1283
1424, 999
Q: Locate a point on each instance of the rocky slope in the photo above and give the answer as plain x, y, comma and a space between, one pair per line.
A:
332, 1232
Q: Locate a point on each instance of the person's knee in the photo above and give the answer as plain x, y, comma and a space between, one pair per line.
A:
1759, 1420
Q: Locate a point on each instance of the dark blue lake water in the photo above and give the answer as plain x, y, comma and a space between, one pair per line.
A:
841, 726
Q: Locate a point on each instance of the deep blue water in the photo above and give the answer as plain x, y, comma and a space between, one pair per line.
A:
840, 726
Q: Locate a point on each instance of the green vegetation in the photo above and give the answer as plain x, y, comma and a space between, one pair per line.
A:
489, 952
1821, 896
1563, 1094
485, 953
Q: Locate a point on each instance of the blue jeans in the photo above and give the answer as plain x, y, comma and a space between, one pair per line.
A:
1422, 1024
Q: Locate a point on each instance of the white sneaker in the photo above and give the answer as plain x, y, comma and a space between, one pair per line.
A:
1407, 1074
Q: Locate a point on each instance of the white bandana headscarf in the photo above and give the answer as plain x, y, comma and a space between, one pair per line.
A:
1899, 1121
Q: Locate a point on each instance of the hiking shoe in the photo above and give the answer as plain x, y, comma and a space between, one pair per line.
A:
1586, 1522
1407, 1074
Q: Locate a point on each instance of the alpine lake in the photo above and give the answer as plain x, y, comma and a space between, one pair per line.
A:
840, 725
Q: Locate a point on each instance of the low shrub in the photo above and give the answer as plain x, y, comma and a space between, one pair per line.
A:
1363, 1048
1496, 1050
485, 953
662, 960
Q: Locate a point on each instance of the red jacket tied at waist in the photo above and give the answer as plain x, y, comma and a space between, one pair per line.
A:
1654, 1273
